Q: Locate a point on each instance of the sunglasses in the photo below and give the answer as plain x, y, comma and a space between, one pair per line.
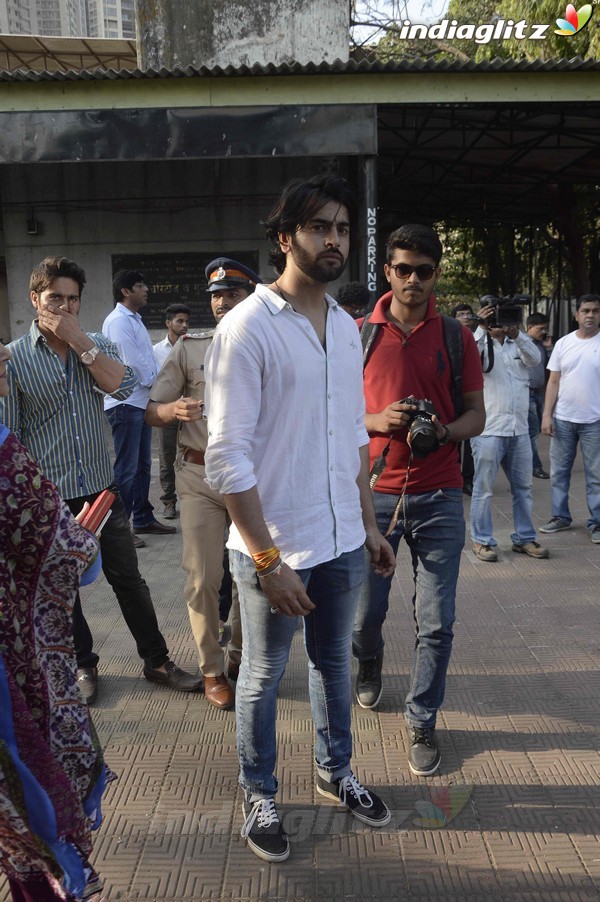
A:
403, 270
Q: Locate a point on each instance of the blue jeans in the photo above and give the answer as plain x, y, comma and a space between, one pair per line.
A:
536, 406
333, 587
563, 449
513, 452
433, 526
133, 460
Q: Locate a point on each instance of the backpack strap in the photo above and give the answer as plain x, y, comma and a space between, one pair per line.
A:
453, 340
368, 333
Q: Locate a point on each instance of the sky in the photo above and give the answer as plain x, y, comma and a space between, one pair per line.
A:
418, 11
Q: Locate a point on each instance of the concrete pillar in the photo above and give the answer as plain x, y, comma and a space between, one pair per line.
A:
219, 33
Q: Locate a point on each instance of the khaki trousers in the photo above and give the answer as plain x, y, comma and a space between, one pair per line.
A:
204, 521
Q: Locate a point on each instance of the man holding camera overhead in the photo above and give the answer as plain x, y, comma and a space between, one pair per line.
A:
507, 355
415, 474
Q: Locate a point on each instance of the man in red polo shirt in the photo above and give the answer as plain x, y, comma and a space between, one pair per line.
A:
419, 498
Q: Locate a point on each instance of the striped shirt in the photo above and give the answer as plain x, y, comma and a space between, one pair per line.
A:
56, 411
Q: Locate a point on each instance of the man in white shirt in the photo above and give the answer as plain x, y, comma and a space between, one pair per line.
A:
289, 450
572, 415
507, 357
177, 320
131, 435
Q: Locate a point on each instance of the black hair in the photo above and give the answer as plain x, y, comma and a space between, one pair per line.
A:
300, 200
353, 294
415, 237
457, 309
173, 309
586, 297
125, 278
52, 268
536, 319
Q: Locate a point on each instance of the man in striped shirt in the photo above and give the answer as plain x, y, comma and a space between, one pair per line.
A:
58, 376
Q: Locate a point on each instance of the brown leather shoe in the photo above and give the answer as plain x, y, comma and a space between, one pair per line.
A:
218, 692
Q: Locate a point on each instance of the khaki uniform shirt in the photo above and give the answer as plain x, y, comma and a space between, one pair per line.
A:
182, 375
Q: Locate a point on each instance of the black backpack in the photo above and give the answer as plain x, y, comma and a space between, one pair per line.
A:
453, 341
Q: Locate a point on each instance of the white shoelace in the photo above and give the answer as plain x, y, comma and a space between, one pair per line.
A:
351, 785
264, 811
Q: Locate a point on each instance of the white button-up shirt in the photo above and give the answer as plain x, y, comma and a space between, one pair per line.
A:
127, 331
506, 387
286, 415
162, 349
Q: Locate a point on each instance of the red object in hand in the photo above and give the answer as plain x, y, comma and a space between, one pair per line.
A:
99, 512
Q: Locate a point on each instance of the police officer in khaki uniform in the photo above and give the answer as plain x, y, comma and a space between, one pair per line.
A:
177, 396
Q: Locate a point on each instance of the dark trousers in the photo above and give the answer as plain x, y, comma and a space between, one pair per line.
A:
167, 452
119, 562
466, 457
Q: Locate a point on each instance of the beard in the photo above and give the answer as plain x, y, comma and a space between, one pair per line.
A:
317, 268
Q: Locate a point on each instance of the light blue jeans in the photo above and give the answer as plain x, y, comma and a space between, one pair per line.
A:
333, 587
513, 453
563, 449
433, 526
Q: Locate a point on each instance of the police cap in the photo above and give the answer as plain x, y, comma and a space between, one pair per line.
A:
223, 273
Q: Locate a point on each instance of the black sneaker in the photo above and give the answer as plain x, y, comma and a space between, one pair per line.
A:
361, 802
368, 682
263, 830
423, 754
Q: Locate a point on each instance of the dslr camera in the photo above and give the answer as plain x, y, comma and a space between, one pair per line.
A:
509, 310
421, 428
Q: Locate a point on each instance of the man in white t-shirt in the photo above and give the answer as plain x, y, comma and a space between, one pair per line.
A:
572, 415
177, 321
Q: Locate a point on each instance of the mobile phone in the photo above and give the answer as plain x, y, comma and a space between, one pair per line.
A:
99, 512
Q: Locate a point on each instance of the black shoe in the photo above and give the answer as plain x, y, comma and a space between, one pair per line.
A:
540, 473
368, 682
423, 754
362, 803
138, 542
155, 528
87, 680
467, 487
263, 831
174, 678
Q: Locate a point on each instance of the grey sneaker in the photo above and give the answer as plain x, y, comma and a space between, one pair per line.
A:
263, 830
595, 535
362, 803
368, 682
485, 552
423, 754
170, 511
555, 524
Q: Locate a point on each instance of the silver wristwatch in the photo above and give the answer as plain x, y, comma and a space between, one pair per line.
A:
88, 357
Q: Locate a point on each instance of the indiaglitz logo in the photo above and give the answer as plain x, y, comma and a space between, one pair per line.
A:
497, 30
574, 21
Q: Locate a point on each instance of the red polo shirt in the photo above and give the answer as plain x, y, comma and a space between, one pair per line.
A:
415, 364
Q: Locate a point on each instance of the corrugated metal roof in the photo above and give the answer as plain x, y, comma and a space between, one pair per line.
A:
351, 67
36, 53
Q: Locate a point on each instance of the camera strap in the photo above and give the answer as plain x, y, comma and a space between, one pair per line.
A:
379, 466
490, 354
398, 508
